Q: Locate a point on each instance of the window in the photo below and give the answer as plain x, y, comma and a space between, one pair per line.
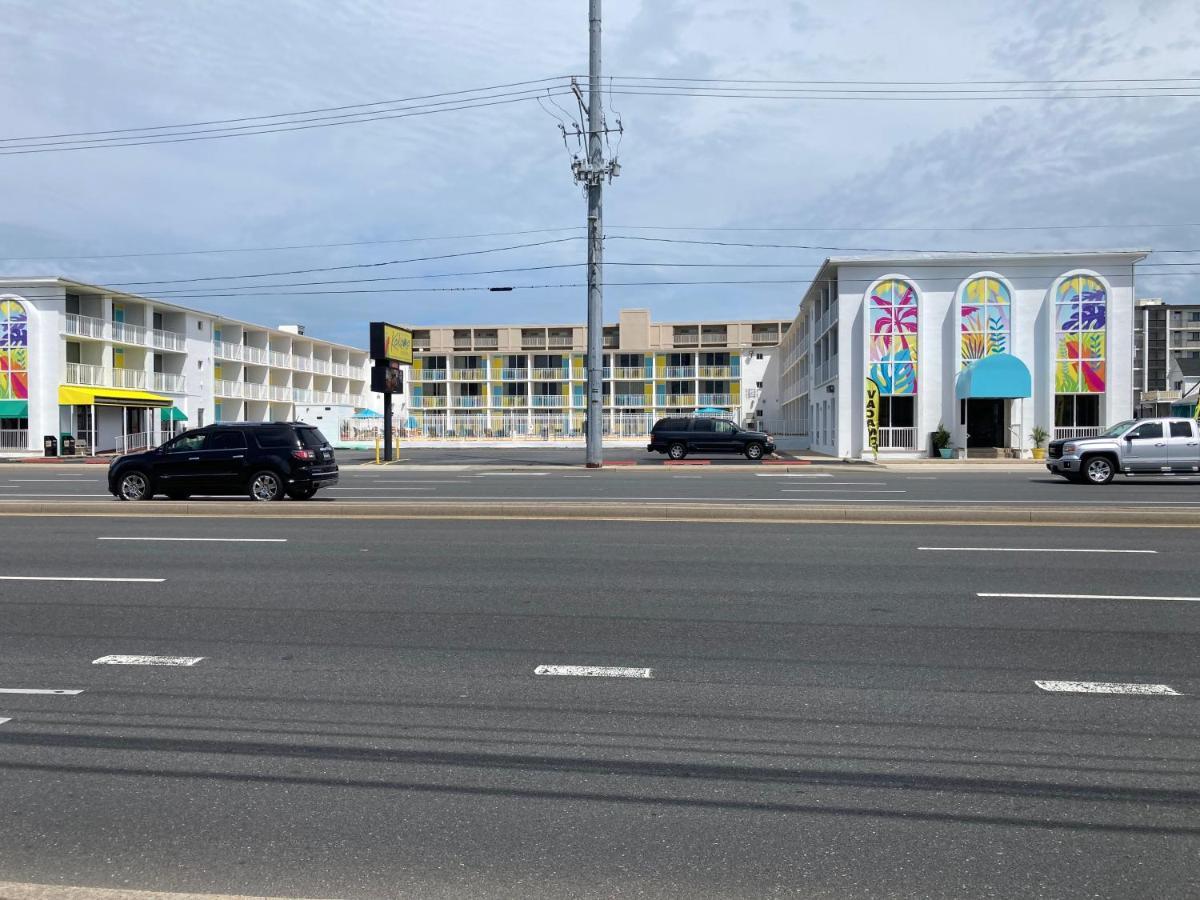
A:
186, 443
758, 384
14, 351
984, 319
896, 412
758, 356
1076, 411
1080, 317
312, 438
724, 428
227, 440
892, 310
705, 425
1181, 429
280, 436
1194, 317
1147, 431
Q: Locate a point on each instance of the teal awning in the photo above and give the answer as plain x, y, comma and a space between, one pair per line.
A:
173, 414
14, 409
1000, 375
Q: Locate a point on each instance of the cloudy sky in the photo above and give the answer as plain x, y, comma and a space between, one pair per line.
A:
829, 173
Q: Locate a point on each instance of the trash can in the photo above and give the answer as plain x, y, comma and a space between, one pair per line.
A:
68, 445
50, 442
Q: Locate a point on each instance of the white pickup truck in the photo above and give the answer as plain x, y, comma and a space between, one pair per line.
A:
1141, 447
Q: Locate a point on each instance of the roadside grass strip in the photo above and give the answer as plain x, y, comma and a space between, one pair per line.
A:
119, 660
1106, 687
595, 671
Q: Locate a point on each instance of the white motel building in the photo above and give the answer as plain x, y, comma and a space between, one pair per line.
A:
988, 345
118, 372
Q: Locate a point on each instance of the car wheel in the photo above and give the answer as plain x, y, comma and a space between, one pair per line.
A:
134, 486
1099, 470
677, 450
266, 486
303, 493
754, 450
178, 495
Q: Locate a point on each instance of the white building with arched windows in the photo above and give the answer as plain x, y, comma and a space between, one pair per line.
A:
990, 346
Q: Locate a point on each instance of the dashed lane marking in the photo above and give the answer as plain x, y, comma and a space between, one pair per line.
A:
1032, 550
594, 671
791, 475
1087, 597
80, 578
1105, 687
3, 720
214, 540
55, 691
118, 660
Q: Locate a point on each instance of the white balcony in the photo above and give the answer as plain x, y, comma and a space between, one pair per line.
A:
486, 341
231, 389
549, 400
302, 363
514, 374
530, 342
556, 374
341, 370
680, 372
432, 375
686, 340
325, 398
562, 340
764, 337
511, 400
716, 371
82, 373
470, 374
466, 402
716, 400
255, 391
629, 373
255, 355
321, 366
897, 438
171, 384
124, 333
711, 340
226, 350
280, 360
83, 326
303, 395
437, 402
167, 340
279, 392
680, 400
631, 400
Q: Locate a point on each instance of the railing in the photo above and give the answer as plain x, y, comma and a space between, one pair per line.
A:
84, 326
82, 373
432, 375
631, 400
578, 401
562, 340
533, 343
716, 400
629, 373
302, 363
609, 340
764, 337
470, 374
254, 391
279, 392
167, 340
14, 439
514, 374
516, 426
470, 402
324, 398
462, 343
132, 443
549, 400
345, 399
716, 371
553, 374
680, 400
255, 354
280, 360
511, 400
897, 438
124, 333
226, 350
1076, 432
438, 402
680, 372
223, 388
321, 366
486, 341
341, 370
129, 378
710, 340
172, 384
303, 395
686, 340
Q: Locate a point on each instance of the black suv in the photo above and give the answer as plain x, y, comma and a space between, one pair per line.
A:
263, 460
679, 437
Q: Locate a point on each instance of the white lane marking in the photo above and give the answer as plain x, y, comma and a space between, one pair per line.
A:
577, 476
381, 489
414, 481
119, 660
825, 484
1032, 550
53, 480
594, 671
1104, 687
80, 578
921, 478
3, 720
72, 496
1089, 597
57, 691
687, 476
519, 474
790, 475
822, 490
219, 540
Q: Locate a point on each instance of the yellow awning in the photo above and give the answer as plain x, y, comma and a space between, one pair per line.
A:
70, 395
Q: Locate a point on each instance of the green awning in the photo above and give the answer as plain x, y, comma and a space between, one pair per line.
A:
173, 414
14, 409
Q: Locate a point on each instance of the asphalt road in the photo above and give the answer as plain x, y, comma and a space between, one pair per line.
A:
527, 456
830, 712
860, 485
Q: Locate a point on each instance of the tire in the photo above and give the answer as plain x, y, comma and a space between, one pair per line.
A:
135, 486
265, 486
1099, 470
306, 492
178, 495
755, 450
677, 450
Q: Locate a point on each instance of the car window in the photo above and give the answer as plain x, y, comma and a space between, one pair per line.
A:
702, 425
311, 438
275, 437
1181, 429
725, 427
187, 443
1147, 430
227, 440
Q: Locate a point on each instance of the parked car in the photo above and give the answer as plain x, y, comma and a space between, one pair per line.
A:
677, 437
1136, 447
265, 461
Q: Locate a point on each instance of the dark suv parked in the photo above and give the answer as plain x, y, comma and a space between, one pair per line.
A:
262, 460
700, 434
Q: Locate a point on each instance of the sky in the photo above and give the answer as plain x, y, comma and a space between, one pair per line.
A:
850, 173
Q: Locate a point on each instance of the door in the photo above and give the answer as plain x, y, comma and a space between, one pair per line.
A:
178, 465
725, 437
224, 462
702, 436
985, 422
1146, 448
1183, 447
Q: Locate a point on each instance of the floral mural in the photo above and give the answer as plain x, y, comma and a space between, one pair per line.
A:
985, 319
1080, 324
892, 311
14, 351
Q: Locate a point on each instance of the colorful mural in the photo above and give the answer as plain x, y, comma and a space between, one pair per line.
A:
892, 311
1080, 330
985, 319
14, 351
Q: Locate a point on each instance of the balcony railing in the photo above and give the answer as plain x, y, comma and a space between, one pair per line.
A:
686, 340
1076, 432
226, 350
631, 400
511, 400
472, 402
710, 340
554, 374
132, 443
432, 375
280, 360
680, 372
255, 391
533, 342
486, 341
764, 337
341, 370
610, 340
224, 388
124, 333
172, 384
303, 395
279, 392
562, 340
897, 438
344, 399
716, 371
167, 340
303, 363
82, 373
321, 366
680, 400
716, 400
549, 400
462, 343
84, 326
438, 402
255, 355
514, 374
629, 373
470, 374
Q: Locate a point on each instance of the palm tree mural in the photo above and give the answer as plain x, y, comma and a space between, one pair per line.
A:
893, 317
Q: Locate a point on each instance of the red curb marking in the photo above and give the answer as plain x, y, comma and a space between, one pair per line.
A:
688, 462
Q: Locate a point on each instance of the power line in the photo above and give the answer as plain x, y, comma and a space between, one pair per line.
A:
631, 92
919, 83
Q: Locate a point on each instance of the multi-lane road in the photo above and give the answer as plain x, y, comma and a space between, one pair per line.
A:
356, 708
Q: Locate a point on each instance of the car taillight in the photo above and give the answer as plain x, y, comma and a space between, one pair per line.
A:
303, 454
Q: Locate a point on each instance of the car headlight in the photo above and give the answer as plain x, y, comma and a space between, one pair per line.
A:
1070, 448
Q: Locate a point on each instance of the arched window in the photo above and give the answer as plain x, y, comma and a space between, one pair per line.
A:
1080, 321
985, 319
14, 351
892, 311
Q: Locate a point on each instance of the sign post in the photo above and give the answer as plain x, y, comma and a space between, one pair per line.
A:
391, 347
873, 416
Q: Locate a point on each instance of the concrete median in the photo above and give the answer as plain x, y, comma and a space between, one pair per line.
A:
623, 510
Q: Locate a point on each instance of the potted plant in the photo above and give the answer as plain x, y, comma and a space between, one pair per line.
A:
941, 442
1038, 436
